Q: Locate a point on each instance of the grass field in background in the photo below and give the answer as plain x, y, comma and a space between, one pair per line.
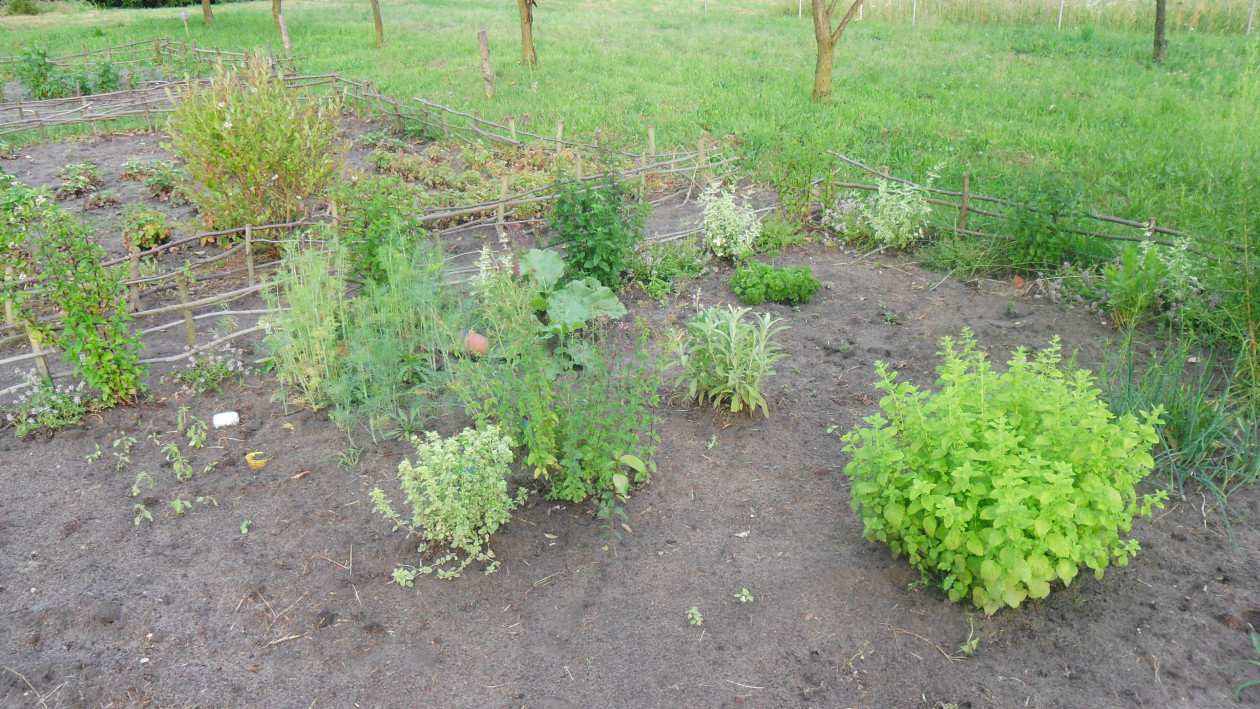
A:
1019, 106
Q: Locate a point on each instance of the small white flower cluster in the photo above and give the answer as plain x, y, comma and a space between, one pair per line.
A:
844, 216
730, 228
43, 404
206, 371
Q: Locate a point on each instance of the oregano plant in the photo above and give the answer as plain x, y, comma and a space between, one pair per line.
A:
998, 486
96, 334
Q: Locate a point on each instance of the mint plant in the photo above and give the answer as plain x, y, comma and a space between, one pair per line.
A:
457, 490
598, 225
998, 486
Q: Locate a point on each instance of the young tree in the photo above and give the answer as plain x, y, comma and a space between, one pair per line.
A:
376, 19
527, 31
826, 39
1161, 23
205, 12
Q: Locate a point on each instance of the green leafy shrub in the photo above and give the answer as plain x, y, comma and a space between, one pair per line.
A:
43, 404
256, 152
22, 7
144, 228
457, 490
658, 267
96, 335
1037, 227
22, 208
598, 225
730, 228
897, 215
724, 358
43, 79
374, 210
575, 423
756, 282
776, 235
571, 307
997, 486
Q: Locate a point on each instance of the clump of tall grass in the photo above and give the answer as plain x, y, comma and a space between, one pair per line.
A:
1221, 16
1211, 436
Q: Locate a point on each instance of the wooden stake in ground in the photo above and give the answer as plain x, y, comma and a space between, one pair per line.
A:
528, 56
1161, 24
380, 29
826, 39
284, 35
206, 14
487, 73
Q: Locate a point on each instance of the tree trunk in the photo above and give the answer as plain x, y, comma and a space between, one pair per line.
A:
376, 17
527, 32
1161, 23
205, 13
822, 69
826, 39
275, 12
487, 73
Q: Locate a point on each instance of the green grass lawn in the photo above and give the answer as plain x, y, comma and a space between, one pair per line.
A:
1015, 106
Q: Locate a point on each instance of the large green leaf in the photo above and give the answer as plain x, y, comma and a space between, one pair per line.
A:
545, 266
580, 302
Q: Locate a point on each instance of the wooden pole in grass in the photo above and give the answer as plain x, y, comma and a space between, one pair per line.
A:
380, 28
512, 128
577, 169
144, 106
182, 281
284, 38
499, 211
1061, 13
914, 12
487, 73
966, 197
559, 137
1251, 16
651, 153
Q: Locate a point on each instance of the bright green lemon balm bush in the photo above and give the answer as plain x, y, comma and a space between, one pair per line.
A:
996, 486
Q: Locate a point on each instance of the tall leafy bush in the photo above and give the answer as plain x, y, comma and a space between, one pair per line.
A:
598, 225
256, 152
998, 486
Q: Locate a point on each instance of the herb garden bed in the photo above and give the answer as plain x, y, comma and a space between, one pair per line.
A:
295, 608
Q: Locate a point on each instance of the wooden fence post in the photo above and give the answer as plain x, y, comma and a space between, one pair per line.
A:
249, 250
966, 197
446, 125
182, 281
144, 105
512, 128
39, 121
701, 174
37, 346
559, 137
651, 153
487, 73
577, 165
133, 270
499, 211
9, 318
284, 37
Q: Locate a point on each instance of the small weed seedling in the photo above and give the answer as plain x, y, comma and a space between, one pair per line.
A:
183, 469
349, 459
404, 576
142, 514
969, 648
1011, 312
694, 617
141, 477
180, 505
95, 455
890, 316
1255, 642
744, 596
245, 526
123, 442
712, 442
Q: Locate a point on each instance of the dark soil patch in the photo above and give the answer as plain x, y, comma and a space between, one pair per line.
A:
188, 611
